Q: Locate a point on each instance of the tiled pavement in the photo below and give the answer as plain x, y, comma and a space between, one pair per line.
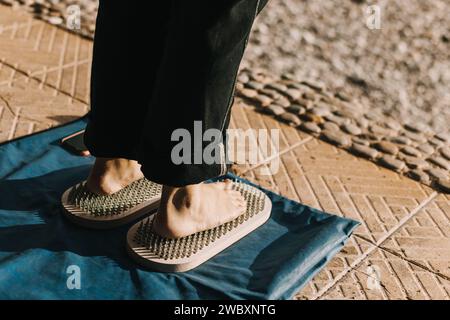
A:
404, 239
44, 74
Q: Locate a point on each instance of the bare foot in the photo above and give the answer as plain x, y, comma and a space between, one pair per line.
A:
109, 175
193, 208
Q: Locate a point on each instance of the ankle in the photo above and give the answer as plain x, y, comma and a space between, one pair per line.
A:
179, 197
109, 175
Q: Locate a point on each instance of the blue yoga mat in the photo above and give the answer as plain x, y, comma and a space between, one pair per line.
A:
41, 252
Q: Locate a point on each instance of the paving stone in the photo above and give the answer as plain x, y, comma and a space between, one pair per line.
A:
292, 94
319, 87
274, 109
243, 78
239, 86
444, 185
343, 96
414, 162
290, 118
444, 136
277, 86
254, 85
417, 127
271, 93
419, 175
331, 126
310, 127
297, 85
386, 147
370, 137
438, 173
378, 130
55, 20
259, 77
346, 113
362, 122
393, 124
365, 151
411, 151
445, 152
248, 93
336, 119
374, 116
263, 100
305, 103
282, 101
414, 136
321, 111
400, 140
308, 116
426, 148
296, 109
328, 95
360, 141
392, 163
337, 137
436, 142
441, 162
351, 129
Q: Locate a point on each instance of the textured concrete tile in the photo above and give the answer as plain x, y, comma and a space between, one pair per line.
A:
45, 52
425, 239
27, 106
9, 74
350, 254
244, 117
384, 276
15, 19
324, 177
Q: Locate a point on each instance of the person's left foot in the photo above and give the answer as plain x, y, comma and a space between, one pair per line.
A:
109, 175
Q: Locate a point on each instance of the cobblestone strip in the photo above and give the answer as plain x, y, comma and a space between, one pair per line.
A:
412, 149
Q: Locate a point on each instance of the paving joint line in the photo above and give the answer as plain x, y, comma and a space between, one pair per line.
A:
30, 76
417, 264
375, 246
398, 255
267, 160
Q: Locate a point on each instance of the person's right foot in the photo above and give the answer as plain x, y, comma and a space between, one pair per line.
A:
109, 175
194, 208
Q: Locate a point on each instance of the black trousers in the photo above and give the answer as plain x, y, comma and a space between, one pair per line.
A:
159, 69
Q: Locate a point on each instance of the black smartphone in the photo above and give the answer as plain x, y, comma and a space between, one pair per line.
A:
75, 144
